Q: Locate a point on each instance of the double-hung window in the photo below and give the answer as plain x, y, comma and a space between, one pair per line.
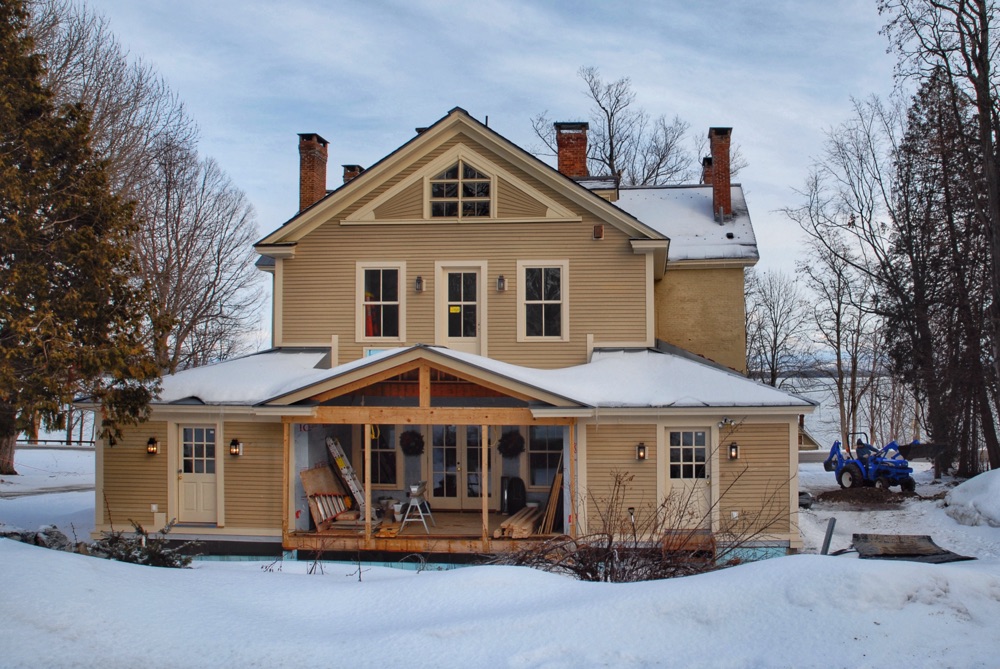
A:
545, 447
543, 310
384, 459
380, 302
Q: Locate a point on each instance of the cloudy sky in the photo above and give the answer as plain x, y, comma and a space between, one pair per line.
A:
364, 74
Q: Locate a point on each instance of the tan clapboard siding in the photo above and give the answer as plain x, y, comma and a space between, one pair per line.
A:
408, 205
605, 287
756, 485
703, 311
133, 479
512, 202
253, 480
611, 449
401, 175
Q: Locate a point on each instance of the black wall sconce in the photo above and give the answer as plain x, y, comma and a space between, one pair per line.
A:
734, 451
418, 285
501, 284
640, 451
235, 447
152, 446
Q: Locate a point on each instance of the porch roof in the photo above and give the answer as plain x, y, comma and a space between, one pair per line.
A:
623, 379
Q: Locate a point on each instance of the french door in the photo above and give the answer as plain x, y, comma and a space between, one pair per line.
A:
458, 476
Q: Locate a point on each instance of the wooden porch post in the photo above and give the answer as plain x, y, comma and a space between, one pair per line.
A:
484, 479
367, 445
286, 480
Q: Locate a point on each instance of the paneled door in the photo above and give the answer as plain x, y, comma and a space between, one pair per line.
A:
196, 478
462, 304
689, 473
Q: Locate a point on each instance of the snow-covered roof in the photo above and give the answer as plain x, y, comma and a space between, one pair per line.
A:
684, 214
245, 380
613, 379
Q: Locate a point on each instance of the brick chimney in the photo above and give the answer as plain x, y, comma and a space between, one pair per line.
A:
351, 171
571, 141
312, 169
718, 141
706, 171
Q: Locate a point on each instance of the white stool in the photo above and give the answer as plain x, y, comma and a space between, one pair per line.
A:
417, 501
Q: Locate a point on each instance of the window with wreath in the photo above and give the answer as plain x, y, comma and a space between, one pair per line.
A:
461, 191
381, 305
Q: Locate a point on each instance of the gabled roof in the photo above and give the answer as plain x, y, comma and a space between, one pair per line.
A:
633, 379
457, 120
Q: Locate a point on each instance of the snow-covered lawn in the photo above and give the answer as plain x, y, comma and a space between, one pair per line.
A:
66, 610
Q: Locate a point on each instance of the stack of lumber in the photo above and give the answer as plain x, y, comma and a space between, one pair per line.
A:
521, 525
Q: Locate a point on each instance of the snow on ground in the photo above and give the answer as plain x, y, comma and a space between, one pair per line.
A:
28, 500
66, 610
61, 609
49, 468
915, 515
977, 501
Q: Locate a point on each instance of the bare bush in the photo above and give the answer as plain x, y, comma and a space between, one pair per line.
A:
654, 541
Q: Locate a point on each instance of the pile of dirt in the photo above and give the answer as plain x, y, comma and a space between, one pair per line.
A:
870, 498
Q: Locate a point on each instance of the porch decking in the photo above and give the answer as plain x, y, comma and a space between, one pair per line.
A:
454, 532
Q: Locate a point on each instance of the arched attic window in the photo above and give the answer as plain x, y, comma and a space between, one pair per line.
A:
461, 191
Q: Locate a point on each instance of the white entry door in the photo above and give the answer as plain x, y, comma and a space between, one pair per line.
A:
688, 462
461, 303
196, 477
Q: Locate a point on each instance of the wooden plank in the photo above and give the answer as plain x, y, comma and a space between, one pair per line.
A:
553, 503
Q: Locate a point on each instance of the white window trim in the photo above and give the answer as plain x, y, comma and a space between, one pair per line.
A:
523, 265
400, 461
441, 269
359, 301
474, 163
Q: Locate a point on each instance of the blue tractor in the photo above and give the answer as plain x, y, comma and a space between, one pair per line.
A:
870, 466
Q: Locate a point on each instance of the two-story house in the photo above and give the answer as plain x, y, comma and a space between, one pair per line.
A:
464, 315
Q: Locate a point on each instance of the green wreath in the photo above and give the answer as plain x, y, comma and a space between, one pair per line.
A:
511, 444
411, 442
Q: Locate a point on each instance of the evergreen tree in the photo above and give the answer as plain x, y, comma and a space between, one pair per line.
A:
71, 308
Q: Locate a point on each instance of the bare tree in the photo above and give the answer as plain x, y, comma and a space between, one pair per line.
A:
845, 326
624, 140
196, 227
777, 326
195, 249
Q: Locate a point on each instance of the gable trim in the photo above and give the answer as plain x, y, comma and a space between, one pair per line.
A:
457, 120
465, 154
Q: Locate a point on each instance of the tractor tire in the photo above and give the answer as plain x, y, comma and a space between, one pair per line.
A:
908, 484
850, 476
882, 483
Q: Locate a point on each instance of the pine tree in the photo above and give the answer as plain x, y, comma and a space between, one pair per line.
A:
71, 308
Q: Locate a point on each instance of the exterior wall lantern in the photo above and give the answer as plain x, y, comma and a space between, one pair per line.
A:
418, 285
152, 446
235, 447
640, 451
501, 283
734, 451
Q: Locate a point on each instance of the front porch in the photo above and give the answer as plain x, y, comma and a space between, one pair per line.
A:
389, 428
454, 532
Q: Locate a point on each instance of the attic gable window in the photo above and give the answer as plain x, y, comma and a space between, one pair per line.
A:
461, 191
